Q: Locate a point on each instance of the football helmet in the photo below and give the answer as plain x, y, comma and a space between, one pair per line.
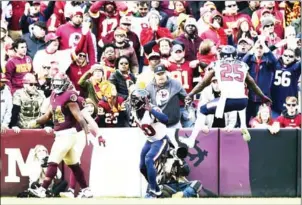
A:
60, 83
138, 99
228, 52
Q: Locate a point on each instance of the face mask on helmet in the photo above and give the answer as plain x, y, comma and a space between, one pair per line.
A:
59, 85
138, 99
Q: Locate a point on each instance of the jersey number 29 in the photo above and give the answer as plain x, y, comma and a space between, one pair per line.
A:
228, 69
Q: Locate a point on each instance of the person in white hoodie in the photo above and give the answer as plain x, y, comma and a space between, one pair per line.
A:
6, 104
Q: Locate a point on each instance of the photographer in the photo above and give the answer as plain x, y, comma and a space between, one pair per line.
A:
172, 173
38, 168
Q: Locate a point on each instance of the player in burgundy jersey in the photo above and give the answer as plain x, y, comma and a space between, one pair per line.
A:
65, 111
111, 109
231, 75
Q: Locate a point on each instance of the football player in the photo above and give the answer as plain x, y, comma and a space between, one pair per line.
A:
65, 111
152, 122
232, 75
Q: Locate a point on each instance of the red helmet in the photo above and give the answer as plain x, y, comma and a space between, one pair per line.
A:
60, 83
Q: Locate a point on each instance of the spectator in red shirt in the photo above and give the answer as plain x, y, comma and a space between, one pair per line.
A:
108, 60
231, 15
14, 29
18, 66
108, 19
290, 117
270, 5
215, 32
263, 119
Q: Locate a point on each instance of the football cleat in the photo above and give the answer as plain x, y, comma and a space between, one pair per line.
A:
85, 193
68, 194
38, 192
245, 134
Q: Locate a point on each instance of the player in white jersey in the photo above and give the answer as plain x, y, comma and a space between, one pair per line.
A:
232, 75
152, 122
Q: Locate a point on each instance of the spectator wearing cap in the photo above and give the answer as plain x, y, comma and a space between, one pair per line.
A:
123, 48
244, 45
51, 53
122, 78
253, 6
148, 73
27, 102
5, 42
125, 23
33, 13
290, 117
18, 66
181, 20
6, 103
90, 83
108, 19
268, 32
262, 65
204, 20
231, 15
190, 39
35, 39
180, 7
215, 31
166, 93
70, 33
270, 5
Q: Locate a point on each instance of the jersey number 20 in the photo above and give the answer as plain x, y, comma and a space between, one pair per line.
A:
228, 69
148, 130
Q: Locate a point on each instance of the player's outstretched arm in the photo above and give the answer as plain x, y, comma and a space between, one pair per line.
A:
93, 126
156, 112
251, 84
75, 110
203, 84
41, 120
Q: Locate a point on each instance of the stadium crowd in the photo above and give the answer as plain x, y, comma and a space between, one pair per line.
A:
109, 47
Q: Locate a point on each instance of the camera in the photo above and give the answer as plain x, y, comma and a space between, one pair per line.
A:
44, 162
179, 153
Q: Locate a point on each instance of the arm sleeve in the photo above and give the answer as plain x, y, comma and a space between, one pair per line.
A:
15, 113
23, 23
94, 9
163, 118
9, 71
148, 47
49, 10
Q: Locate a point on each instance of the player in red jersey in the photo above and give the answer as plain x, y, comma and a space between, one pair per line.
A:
111, 109
65, 111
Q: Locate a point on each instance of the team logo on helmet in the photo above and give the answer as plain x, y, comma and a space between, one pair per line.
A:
138, 98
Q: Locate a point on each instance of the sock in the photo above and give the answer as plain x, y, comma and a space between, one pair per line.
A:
72, 181
50, 174
79, 175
